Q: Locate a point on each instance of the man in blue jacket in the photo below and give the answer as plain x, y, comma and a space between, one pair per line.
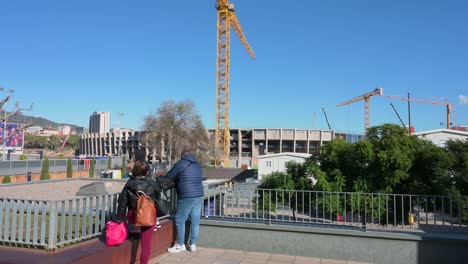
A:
187, 174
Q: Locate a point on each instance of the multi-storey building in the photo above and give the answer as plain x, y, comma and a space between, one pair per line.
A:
246, 145
118, 142
99, 122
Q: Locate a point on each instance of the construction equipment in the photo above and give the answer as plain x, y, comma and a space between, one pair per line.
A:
399, 117
226, 19
326, 117
448, 106
366, 97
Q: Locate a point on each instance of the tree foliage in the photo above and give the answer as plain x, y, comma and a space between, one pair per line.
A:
91, 167
174, 125
389, 160
6, 179
45, 170
123, 169
69, 168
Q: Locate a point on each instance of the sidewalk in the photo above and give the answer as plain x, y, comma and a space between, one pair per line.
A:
222, 256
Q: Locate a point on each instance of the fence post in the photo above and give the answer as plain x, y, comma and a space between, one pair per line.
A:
52, 245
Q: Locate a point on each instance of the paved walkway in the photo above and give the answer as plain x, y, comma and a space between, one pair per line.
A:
222, 256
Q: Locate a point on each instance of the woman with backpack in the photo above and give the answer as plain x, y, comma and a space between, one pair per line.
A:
137, 186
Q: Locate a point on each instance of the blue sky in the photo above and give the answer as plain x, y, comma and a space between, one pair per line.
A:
71, 58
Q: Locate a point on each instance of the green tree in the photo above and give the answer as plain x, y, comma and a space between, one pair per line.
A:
393, 156
6, 179
429, 173
23, 157
45, 170
458, 152
91, 168
61, 156
109, 163
177, 124
73, 142
69, 168
275, 189
35, 142
54, 142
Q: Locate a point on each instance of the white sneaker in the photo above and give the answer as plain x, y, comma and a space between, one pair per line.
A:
192, 248
176, 248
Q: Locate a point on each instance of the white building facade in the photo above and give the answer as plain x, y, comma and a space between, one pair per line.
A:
440, 136
277, 162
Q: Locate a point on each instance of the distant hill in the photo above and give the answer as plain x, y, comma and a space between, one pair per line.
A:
39, 121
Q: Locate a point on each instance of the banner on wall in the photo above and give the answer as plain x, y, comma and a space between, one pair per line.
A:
14, 138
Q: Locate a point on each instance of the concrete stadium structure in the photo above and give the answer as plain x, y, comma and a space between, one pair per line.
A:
118, 142
245, 144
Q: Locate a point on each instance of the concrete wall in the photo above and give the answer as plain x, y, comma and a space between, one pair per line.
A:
339, 244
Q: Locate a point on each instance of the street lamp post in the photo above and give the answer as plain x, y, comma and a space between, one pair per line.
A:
5, 121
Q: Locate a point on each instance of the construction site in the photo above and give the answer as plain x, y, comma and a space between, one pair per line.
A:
241, 147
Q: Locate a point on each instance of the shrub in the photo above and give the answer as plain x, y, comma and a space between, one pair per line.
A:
91, 168
45, 170
69, 168
6, 179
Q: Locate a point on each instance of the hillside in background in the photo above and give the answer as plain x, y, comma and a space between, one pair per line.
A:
38, 121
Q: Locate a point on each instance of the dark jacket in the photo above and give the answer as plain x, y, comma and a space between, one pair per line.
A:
128, 196
187, 174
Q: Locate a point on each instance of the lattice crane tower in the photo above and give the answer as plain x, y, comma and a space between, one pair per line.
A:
226, 19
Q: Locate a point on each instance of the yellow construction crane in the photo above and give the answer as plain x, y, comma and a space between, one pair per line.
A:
226, 19
448, 106
366, 97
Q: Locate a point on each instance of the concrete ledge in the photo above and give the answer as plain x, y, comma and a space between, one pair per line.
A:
92, 251
412, 236
338, 244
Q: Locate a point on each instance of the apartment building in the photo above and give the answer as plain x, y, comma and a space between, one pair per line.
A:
99, 122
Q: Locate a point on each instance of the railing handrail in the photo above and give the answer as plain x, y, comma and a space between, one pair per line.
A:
364, 193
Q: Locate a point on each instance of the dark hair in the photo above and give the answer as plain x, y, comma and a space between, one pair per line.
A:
140, 168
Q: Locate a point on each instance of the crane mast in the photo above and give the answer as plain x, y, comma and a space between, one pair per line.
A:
366, 97
226, 19
448, 106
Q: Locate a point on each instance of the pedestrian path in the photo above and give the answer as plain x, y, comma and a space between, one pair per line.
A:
223, 256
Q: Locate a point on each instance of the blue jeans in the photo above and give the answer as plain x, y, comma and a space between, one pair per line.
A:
186, 207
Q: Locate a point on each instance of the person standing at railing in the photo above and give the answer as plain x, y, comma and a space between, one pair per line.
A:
187, 175
128, 200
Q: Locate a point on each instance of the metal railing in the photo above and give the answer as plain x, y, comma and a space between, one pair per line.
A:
18, 167
53, 224
371, 211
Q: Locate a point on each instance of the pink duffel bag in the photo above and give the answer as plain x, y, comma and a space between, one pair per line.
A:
116, 233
